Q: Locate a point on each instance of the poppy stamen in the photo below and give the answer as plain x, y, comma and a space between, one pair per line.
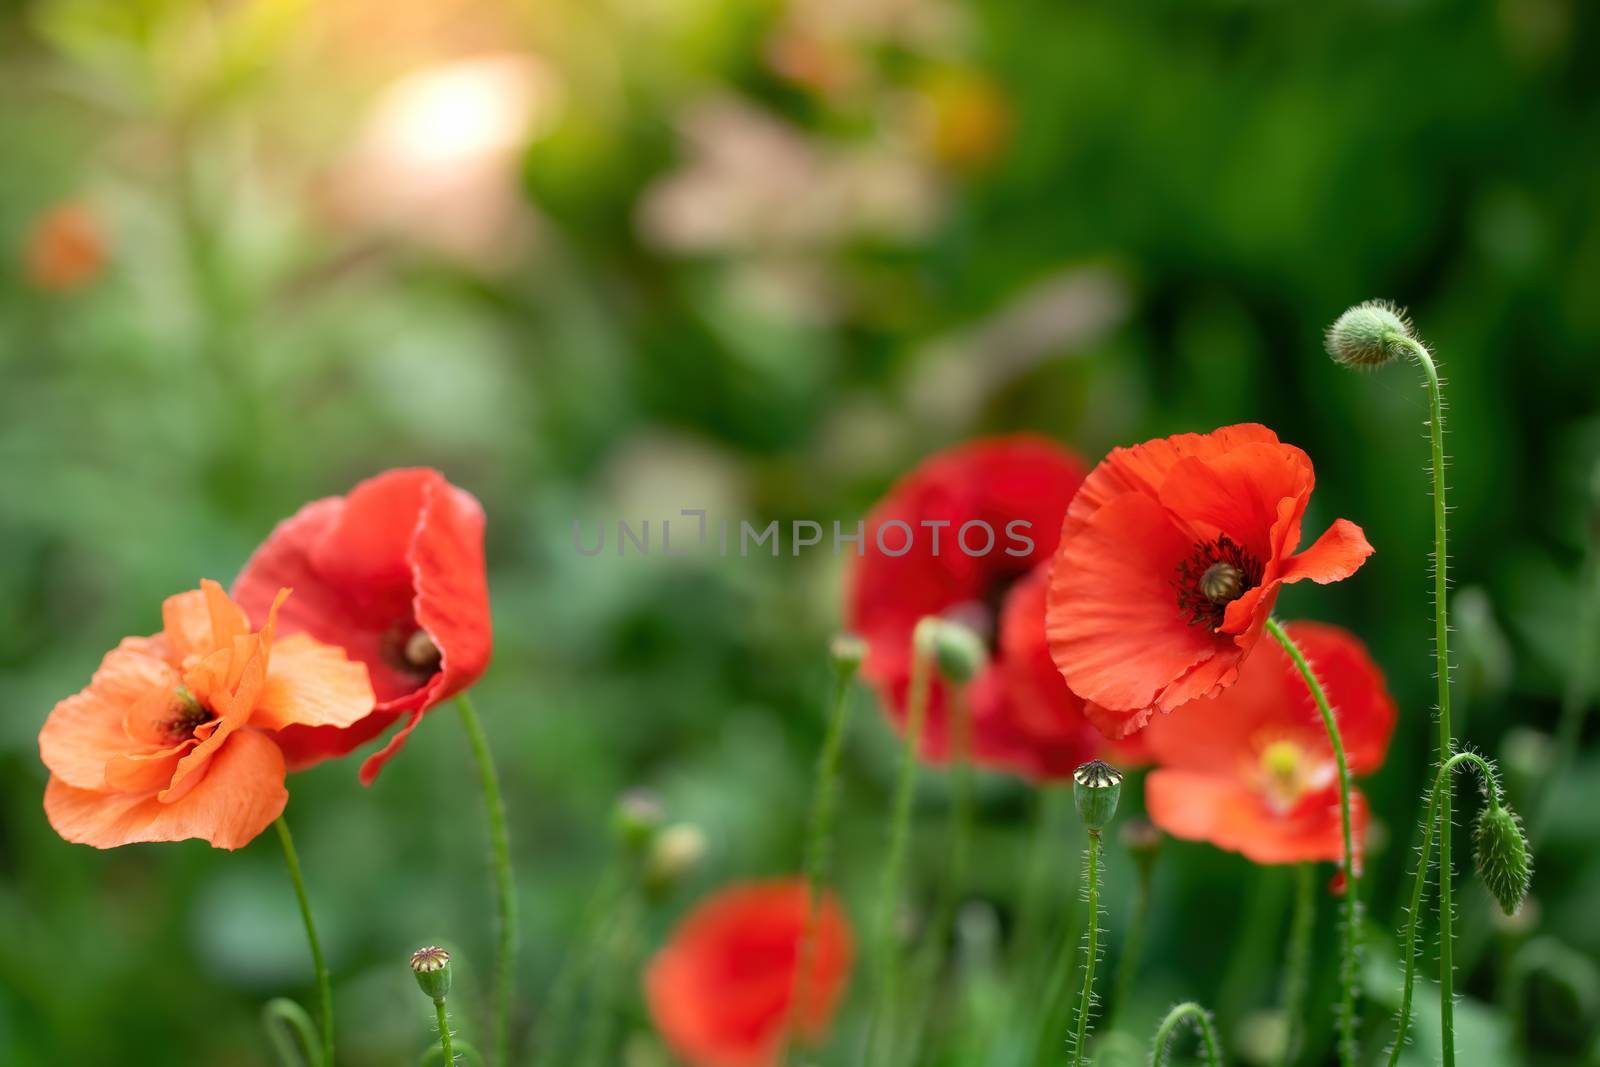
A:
1213, 576
188, 714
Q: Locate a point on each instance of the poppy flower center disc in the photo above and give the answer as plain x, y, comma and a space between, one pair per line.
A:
1213, 576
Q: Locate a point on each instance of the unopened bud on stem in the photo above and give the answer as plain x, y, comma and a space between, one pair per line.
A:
1501, 856
1369, 335
957, 652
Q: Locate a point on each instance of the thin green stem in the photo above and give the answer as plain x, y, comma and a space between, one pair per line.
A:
819, 835
894, 864
291, 860
1424, 858
1348, 933
583, 958
505, 884
1441, 651
1086, 994
1188, 1011
615, 963
1297, 962
444, 1033
1132, 946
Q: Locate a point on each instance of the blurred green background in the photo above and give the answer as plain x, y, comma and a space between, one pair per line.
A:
602, 259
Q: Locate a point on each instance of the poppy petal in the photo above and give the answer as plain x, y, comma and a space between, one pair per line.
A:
1334, 556
311, 684
86, 730
240, 794
1113, 622
1205, 807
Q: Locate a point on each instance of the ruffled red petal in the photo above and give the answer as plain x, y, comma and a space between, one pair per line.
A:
403, 551
1222, 812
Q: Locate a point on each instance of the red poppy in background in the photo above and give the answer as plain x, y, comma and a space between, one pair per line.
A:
67, 248
1024, 719
173, 739
1170, 561
723, 990
1251, 769
394, 574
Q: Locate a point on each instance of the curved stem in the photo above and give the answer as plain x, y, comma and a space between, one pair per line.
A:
894, 863
1297, 961
1086, 995
1403, 1022
505, 886
819, 834
1348, 933
1441, 652
282, 1014
291, 859
444, 1033
1188, 1011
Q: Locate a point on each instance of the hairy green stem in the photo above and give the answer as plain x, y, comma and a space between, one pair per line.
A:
444, 1033
1348, 933
1086, 994
291, 860
894, 864
1441, 652
1188, 1011
504, 883
1297, 961
1435, 812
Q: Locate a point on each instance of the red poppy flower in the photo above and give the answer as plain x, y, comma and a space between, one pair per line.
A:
917, 562
723, 990
1251, 769
1170, 561
393, 573
173, 737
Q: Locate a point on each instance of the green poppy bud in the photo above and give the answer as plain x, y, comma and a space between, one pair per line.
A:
677, 850
1096, 787
846, 652
956, 650
1502, 856
636, 819
431, 965
1367, 335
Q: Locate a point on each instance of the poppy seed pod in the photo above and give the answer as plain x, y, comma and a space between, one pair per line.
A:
1501, 856
431, 965
1096, 788
1366, 335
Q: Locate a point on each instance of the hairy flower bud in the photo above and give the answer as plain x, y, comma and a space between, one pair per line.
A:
1502, 856
1096, 787
1368, 334
431, 965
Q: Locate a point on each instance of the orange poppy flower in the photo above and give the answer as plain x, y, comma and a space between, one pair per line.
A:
173, 737
722, 991
1170, 561
1251, 769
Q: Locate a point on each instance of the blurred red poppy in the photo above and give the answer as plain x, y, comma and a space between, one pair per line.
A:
394, 574
1170, 561
918, 562
1251, 769
67, 248
723, 990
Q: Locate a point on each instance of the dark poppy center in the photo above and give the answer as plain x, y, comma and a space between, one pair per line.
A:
411, 649
1213, 576
187, 714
